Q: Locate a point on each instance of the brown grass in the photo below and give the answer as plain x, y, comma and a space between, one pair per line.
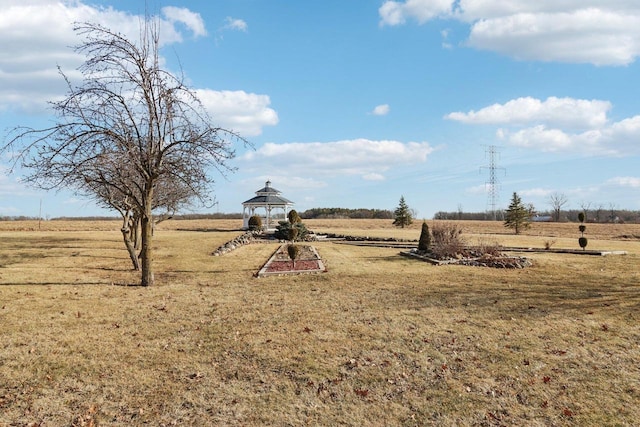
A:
377, 340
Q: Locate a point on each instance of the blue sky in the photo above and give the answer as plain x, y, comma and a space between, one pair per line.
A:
355, 103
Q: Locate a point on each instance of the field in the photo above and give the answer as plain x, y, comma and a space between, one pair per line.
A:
378, 339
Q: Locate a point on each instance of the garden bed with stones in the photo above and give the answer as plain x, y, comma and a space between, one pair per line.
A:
279, 263
494, 261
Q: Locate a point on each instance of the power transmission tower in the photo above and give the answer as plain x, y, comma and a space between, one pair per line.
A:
493, 185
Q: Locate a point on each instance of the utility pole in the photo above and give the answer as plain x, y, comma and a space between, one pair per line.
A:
493, 184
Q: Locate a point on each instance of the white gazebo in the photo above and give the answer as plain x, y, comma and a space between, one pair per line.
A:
269, 199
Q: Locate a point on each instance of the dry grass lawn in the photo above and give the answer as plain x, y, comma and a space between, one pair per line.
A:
379, 339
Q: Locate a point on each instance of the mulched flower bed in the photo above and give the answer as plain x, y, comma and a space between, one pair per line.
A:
308, 261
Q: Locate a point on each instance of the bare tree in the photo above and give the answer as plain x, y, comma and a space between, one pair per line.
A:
585, 206
557, 201
613, 217
128, 133
598, 211
101, 185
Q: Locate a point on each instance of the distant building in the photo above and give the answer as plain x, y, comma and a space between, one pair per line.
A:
269, 199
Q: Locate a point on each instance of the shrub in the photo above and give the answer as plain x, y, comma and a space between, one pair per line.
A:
485, 248
293, 217
282, 230
582, 241
425, 238
292, 234
255, 223
293, 252
446, 240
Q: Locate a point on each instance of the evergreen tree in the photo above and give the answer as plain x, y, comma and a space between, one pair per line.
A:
518, 215
425, 238
403, 214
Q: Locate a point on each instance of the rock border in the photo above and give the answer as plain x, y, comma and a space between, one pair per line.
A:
233, 244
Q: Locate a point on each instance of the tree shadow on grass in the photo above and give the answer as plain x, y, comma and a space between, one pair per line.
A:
58, 284
212, 230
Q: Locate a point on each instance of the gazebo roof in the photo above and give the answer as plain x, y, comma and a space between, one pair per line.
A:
268, 196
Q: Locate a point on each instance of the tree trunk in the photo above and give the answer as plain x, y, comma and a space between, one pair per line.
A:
127, 237
126, 234
146, 252
146, 229
136, 231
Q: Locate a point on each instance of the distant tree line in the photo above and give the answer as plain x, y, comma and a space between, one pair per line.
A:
235, 215
335, 213
594, 215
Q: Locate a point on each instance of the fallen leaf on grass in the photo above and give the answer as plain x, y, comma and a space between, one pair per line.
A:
361, 392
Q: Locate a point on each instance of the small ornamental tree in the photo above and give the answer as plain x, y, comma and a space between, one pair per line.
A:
403, 215
518, 215
293, 252
293, 217
425, 238
582, 241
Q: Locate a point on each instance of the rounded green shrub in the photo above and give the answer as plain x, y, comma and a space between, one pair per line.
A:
582, 241
581, 217
293, 217
255, 223
293, 252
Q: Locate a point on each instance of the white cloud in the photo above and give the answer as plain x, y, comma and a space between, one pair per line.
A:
235, 24
359, 157
36, 38
618, 139
577, 31
625, 181
381, 110
541, 138
397, 12
558, 125
564, 112
193, 21
245, 113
